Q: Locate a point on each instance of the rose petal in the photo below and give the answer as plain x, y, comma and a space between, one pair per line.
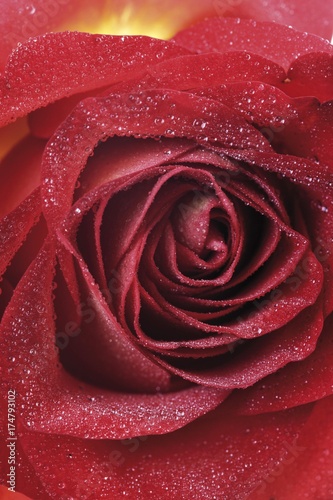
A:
307, 472
43, 122
31, 487
102, 353
294, 126
311, 74
119, 58
123, 156
270, 109
201, 74
204, 70
27, 252
294, 385
6, 293
305, 15
20, 21
259, 358
222, 35
236, 454
15, 227
262, 315
317, 178
11, 135
20, 173
318, 212
310, 135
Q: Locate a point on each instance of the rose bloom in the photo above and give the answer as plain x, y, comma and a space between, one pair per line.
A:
167, 253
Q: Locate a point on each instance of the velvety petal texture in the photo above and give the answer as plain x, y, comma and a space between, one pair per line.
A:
218, 455
166, 256
20, 21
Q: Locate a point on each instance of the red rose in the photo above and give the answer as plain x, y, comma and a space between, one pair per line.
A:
167, 265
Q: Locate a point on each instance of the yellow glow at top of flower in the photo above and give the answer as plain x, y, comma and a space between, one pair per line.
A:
141, 18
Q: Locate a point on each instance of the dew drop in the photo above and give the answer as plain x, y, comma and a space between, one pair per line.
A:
318, 204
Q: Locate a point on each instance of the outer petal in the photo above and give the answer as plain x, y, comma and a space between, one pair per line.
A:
189, 72
94, 61
204, 70
311, 136
20, 21
308, 471
222, 35
218, 456
306, 15
311, 74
